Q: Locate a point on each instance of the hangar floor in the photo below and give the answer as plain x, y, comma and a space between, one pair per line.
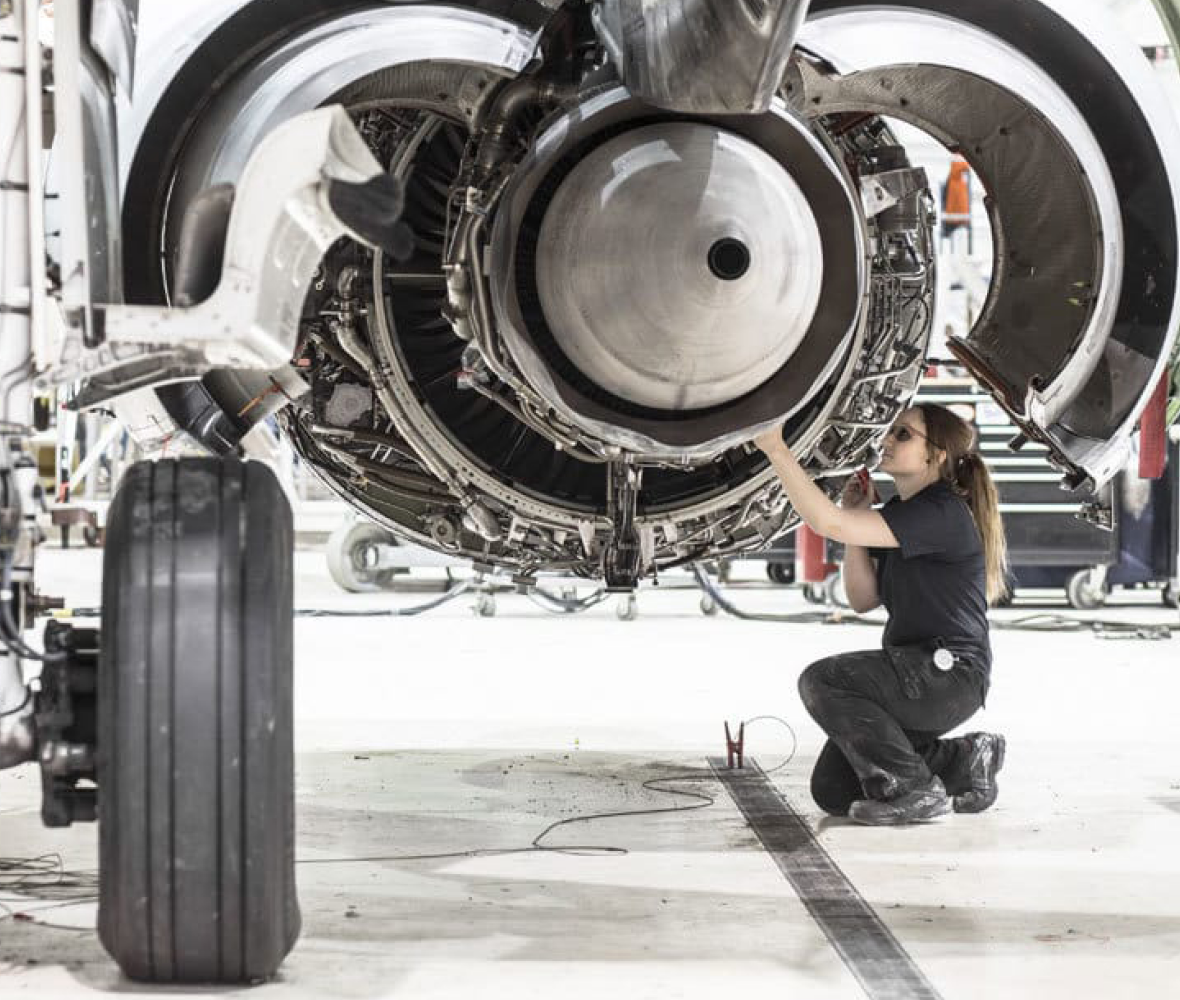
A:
449, 733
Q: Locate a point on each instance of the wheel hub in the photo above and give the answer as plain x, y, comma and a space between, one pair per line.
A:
67, 734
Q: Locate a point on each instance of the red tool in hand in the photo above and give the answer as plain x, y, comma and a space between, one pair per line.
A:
865, 479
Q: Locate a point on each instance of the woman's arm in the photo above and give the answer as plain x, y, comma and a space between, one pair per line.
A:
865, 528
860, 579
859, 570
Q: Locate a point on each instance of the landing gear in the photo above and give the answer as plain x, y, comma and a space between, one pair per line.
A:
194, 726
66, 725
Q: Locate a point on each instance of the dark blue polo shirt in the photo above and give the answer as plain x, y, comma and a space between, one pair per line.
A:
934, 586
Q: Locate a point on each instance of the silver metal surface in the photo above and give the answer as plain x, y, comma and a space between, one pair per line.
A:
41, 310
883, 361
84, 111
162, 51
279, 229
699, 436
1033, 314
1127, 62
113, 25
621, 235
17, 731
19, 218
625, 276
438, 449
880, 192
868, 38
1098, 383
701, 55
465, 51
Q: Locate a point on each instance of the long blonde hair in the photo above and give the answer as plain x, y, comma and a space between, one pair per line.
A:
966, 472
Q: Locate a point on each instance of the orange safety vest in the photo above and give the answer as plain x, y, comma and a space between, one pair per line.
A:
957, 200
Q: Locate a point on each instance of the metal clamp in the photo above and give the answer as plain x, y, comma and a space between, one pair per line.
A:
735, 748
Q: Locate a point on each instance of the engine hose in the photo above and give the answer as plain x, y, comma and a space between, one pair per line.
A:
1045, 622
710, 589
566, 606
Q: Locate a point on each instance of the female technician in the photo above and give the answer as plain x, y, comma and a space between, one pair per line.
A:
934, 556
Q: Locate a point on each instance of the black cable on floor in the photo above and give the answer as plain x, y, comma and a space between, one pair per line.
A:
1043, 622
25, 915
45, 877
703, 801
1047, 621
798, 618
565, 606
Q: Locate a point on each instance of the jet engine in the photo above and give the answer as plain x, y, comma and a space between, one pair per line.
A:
636, 233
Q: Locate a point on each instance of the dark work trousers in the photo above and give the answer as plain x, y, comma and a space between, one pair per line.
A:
884, 727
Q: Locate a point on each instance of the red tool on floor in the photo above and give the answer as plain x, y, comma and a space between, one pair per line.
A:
735, 748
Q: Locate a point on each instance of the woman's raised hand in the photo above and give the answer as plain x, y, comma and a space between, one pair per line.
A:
858, 492
771, 441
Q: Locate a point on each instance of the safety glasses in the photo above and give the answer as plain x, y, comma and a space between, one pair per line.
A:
903, 433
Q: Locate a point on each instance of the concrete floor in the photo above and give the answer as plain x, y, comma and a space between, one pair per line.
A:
452, 733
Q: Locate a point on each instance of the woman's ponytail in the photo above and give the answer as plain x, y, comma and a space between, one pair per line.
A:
968, 474
975, 482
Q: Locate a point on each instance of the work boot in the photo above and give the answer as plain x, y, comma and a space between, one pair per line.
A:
986, 758
919, 805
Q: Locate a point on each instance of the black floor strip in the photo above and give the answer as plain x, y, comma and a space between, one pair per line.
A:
871, 952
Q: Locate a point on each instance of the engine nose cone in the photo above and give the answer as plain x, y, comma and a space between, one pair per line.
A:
679, 266
729, 259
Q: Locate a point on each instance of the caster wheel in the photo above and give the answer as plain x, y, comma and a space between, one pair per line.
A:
709, 606
833, 589
196, 829
781, 573
1082, 594
349, 549
627, 608
813, 593
485, 605
92, 535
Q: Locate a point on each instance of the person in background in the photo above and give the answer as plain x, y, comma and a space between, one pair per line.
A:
956, 199
935, 556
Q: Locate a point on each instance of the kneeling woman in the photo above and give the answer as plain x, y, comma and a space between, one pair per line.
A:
935, 556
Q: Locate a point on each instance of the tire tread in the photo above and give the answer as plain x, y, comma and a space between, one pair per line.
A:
197, 880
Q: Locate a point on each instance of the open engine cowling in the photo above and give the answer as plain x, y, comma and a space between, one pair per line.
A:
613, 288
